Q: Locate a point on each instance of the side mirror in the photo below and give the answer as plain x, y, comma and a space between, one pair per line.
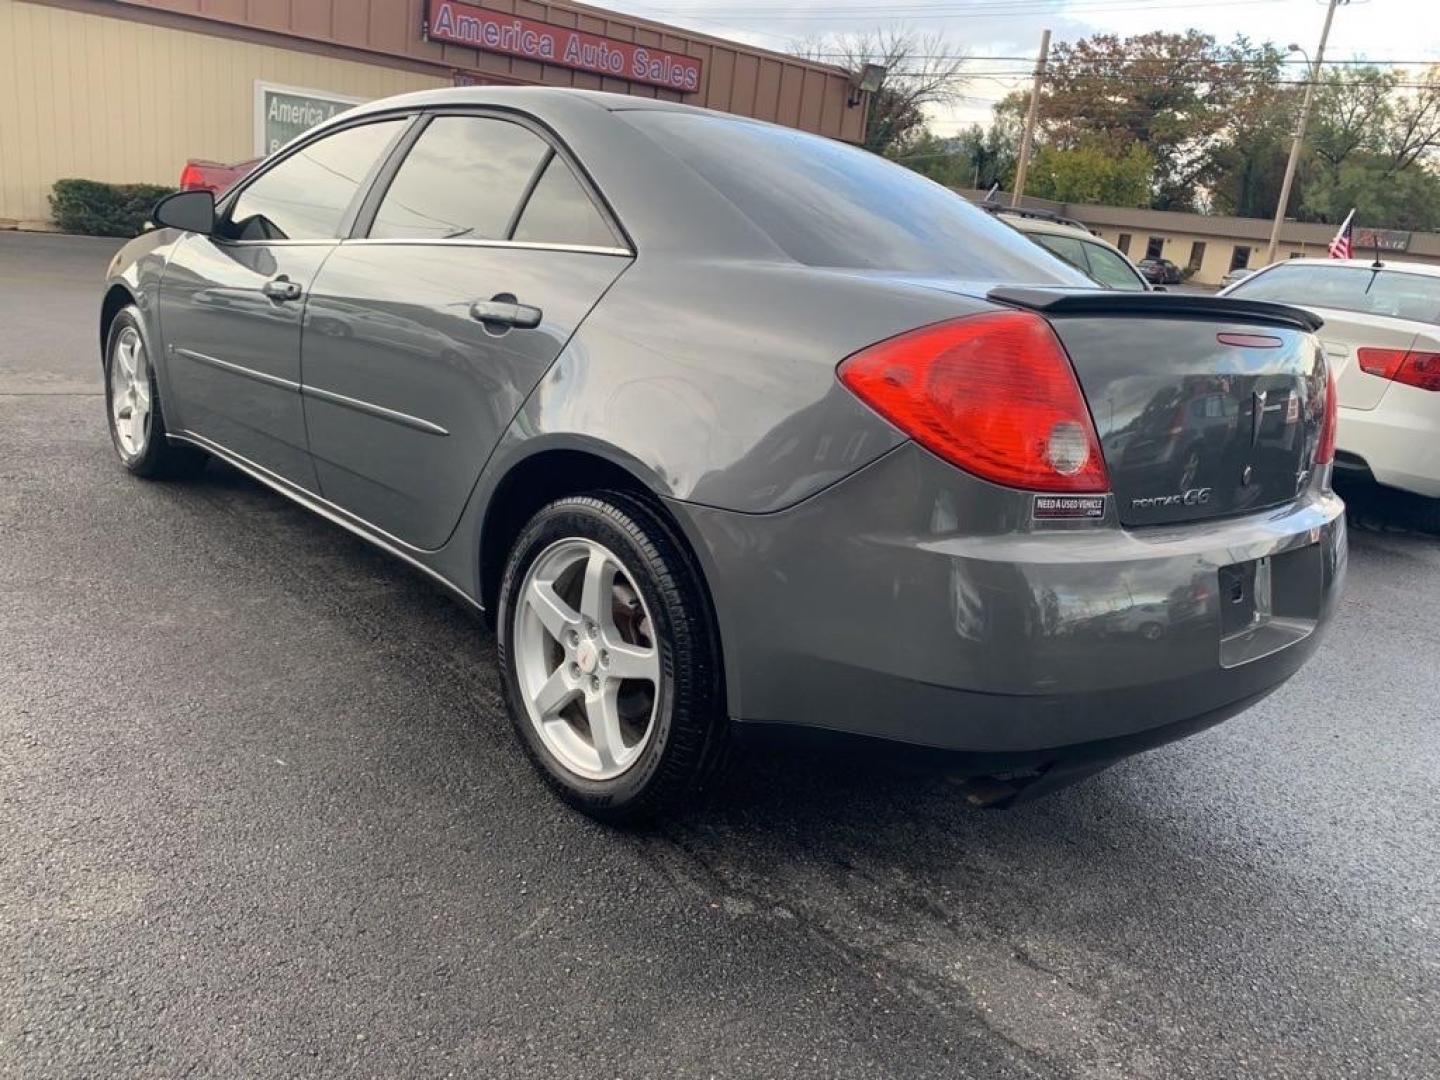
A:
192, 211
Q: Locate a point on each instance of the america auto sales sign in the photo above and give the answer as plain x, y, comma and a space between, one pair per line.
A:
531, 39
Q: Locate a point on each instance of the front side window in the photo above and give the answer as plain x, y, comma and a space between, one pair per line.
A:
463, 179
1112, 270
823, 203
1348, 288
306, 195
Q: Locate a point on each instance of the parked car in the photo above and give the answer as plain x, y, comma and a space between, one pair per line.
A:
202, 175
726, 447
1382, 336
1160, 271
1234, 277
1082, 249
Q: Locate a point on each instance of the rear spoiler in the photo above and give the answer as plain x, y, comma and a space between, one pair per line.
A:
1062, 302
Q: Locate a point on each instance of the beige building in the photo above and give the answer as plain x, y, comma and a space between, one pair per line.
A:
1212, 245
128, 90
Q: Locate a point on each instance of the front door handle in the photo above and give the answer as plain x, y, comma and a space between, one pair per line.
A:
501, 312
281, 288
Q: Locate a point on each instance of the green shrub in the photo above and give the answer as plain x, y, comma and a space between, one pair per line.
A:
96, 209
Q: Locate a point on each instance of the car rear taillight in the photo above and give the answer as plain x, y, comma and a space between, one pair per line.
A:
1420, 369
994, 394
1325, 450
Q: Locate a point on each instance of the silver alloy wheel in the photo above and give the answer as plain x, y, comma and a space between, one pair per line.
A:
586, 659
130, 392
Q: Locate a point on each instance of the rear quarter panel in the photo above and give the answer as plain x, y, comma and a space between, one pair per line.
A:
715, 380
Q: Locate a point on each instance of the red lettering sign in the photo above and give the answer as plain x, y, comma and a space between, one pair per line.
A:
497, 32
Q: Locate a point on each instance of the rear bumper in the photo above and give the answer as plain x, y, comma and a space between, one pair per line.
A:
914, 603
1399, 439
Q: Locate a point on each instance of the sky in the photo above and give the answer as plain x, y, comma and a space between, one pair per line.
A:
1379, 30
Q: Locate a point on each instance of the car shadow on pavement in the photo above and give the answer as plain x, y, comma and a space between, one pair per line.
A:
1378, 509
1148, 867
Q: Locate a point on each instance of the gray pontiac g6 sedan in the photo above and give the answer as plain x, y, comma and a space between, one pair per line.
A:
732, 429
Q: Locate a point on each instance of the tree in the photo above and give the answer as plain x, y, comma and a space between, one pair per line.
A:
976, 157
1168, 92
921, 71
1379, 114
1090, 173
1374, 139
1245, 162
1380, 196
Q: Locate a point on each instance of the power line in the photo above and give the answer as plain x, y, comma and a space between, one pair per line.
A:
1107, 61
976, 11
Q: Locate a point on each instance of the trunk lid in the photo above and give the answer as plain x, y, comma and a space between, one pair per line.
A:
1204, 406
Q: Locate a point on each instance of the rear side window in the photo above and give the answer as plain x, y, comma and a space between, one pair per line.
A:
827, 204
1066, 247
559, 211
463, 178
306, 196
1112, 269
1348, 288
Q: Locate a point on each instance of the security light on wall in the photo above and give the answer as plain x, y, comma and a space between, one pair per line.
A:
871, 76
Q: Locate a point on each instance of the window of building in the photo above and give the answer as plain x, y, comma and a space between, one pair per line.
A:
1240, 257
307, 195
463, 178
1154, 247
559, 211
1124, 242
1197, 254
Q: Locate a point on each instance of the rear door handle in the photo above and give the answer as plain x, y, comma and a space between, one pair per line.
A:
502, 312
281, 288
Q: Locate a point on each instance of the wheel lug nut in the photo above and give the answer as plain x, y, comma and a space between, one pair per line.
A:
574, 671
594, 683
604, 658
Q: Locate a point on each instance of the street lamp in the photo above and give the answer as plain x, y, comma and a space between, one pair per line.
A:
871, 78
1310, 81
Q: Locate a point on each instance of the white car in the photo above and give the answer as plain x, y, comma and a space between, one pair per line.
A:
1082, 249
1382, 336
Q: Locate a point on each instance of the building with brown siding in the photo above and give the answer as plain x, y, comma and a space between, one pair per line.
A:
1211, 245
128, 90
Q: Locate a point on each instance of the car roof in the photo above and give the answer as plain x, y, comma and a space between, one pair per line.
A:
1402, 265
1028, 224
525, 97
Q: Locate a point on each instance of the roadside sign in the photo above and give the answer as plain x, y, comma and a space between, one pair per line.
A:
283, 112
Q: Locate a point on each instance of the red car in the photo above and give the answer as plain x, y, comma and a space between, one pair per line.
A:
202, 175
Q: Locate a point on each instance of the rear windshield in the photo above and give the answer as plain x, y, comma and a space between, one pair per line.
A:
1348, 288
827, 204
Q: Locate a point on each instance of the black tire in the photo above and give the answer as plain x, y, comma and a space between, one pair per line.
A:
159, 458
690, 744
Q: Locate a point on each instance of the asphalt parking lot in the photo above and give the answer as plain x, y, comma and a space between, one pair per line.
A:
261, 815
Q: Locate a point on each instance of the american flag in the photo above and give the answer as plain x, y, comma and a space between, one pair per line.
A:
1340, 247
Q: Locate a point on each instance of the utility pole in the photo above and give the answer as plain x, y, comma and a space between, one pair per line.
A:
1300, 133
1028, 135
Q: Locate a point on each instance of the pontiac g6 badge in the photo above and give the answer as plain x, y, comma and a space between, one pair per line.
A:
1193, 497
